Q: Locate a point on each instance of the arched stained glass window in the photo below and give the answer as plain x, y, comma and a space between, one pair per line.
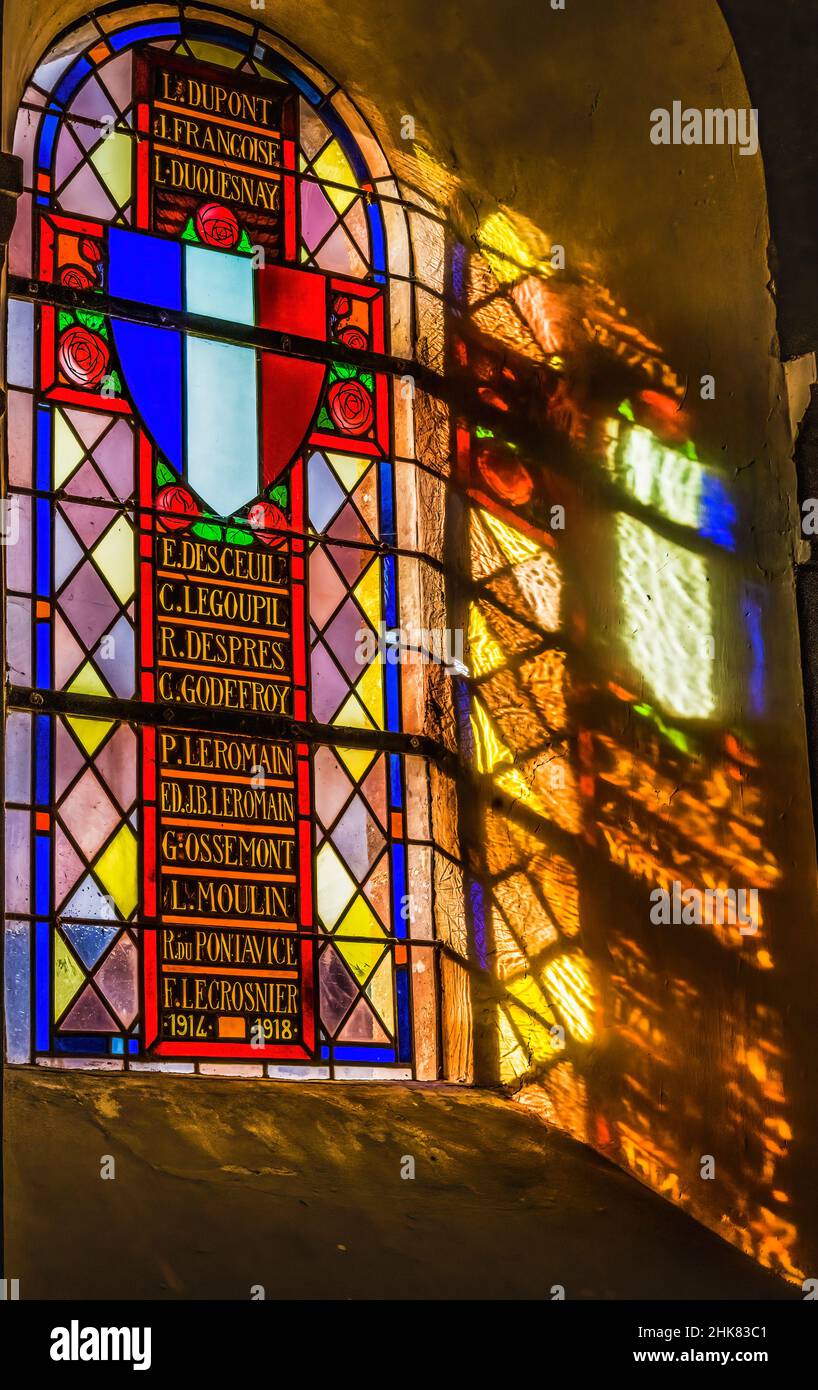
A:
218, 845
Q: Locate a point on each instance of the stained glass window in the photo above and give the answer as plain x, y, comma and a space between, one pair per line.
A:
219, 846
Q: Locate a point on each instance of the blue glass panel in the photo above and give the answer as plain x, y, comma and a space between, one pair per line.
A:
43, 999
151, 361
388, 532
43, 547
42, 875
144, 268
42, 760
213, 33
404, 1022
373, 213
69, 84
395, 781
48, 131
158, 30
44, 449
280, 65
399, 888
373, 1055
43, 678
79, 1044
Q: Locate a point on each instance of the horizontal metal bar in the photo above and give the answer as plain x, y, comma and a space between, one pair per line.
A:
204, 326
221, 720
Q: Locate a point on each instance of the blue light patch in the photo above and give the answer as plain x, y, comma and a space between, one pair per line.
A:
718, 513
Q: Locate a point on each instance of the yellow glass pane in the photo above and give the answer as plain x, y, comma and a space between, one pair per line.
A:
114, 556
68, 452
263, 71
357, 761
215, 53
379, 991
68, 976
112, 161
90, 732
353, 715
349, 468
335, 887
370, 689
360, 921
333, 165
87, 681
360, 956
116, 870
367, 592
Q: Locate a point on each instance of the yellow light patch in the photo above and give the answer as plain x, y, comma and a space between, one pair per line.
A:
486, 655
569, 986
514, 545
489, 750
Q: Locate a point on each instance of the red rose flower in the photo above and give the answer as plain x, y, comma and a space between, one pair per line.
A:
178, 505
76, 277
267, 518
341, 306
350, 406
217, 226
354, 338
83, 356
90, 250
506, 477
